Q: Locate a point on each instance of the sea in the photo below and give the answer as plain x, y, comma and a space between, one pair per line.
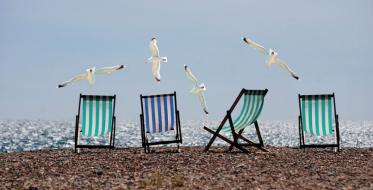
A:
28, 135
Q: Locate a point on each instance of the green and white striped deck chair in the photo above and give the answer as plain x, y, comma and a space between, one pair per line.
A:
318, 118
95, 119
253, 101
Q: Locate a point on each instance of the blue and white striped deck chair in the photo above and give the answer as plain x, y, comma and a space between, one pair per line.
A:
253, 101
318, 118
95, 119
159, 115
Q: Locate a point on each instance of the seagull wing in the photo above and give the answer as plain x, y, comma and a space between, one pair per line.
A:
156, 68
202, 100
107, 70
190, 75
73, 80
286, 68
154, 49
255, 45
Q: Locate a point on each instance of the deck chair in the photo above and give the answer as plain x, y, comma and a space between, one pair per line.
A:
159, 114
95, 120
253, 101
318, 118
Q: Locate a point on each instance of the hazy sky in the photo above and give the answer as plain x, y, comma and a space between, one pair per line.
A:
42, 43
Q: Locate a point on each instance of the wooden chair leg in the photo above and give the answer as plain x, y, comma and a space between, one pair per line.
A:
231, 146
254, 144
227, 140
214, 132
212, 138
258, 133
146, 146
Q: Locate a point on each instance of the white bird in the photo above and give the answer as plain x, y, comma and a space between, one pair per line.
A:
197, 89
90, 75
155, 59
272, 57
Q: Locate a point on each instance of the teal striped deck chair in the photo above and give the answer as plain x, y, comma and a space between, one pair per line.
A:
318, 118
253, 101
159, 115
95, 120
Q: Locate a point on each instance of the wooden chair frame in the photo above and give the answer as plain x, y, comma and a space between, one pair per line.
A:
77, 131
302, 143
237, 135
145, 141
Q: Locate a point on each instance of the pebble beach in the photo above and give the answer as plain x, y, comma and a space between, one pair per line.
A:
192, 168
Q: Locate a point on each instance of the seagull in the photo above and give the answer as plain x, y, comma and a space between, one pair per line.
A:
155, 59
272, 57
90, 73
197, 89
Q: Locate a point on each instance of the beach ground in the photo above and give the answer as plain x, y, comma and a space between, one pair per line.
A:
131, 168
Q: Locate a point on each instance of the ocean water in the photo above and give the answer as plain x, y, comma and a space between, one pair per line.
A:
25, 135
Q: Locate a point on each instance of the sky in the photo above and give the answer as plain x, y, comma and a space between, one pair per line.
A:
42, 43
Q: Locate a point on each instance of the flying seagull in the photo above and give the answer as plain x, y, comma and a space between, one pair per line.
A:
197, 89
272, 57
90, 75
155, 59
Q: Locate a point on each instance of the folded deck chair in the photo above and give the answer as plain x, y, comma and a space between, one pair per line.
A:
95, 120
159, 115
318, 118
253, 101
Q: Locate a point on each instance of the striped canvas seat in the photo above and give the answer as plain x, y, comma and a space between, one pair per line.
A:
252, 107
317, 114
318, 118
159, 114
95, 119
253, 101
97, 115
